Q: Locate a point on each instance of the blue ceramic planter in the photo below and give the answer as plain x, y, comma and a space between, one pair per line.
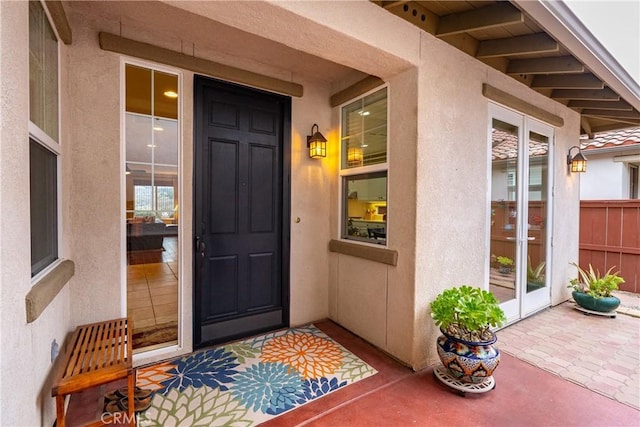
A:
470, 362
602, 304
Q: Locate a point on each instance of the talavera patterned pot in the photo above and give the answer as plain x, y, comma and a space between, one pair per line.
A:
602, 304
466, 361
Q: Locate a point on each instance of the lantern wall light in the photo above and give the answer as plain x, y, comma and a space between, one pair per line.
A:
577, 162
316, 143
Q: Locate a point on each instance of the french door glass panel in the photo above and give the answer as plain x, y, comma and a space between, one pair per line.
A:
151, 211
519, 213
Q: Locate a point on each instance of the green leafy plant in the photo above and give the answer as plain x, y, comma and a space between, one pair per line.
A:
505, 261
535, 275
467, 313
592, 283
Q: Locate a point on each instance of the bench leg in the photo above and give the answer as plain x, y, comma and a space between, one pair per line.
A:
132, 392
60, 421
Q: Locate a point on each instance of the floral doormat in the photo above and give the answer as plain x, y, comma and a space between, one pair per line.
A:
248, 382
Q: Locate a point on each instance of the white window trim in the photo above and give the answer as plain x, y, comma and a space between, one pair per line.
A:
378, 167
54, 146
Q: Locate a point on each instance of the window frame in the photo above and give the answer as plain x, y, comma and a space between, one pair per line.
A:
354, 172
39, 136
634, 173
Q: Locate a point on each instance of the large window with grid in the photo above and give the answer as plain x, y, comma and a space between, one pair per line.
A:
44, 148
364, 168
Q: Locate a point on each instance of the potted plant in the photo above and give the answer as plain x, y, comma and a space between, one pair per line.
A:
535, 276
505, 264
465, 315
593, 291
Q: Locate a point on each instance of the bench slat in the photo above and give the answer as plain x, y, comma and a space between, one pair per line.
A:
76, 341
99, 343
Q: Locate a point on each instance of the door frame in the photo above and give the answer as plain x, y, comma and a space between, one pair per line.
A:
285, 238
524, 304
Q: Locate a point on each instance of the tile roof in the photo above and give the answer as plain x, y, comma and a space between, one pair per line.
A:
505, 146
505, 143
613, 139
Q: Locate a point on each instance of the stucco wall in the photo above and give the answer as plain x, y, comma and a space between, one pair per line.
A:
97, 162
25, 361
604, 178
453, 182
438, 184
376, 301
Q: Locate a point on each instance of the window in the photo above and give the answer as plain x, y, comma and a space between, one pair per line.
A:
148, 203
44, 149
44, 206
634, 181
364, 169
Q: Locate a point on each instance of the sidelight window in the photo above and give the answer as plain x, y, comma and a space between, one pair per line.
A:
152, 190
364, 168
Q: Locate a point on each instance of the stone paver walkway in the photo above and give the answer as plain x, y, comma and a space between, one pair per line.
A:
599, 353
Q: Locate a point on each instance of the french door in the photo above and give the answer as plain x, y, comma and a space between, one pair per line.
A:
519, 212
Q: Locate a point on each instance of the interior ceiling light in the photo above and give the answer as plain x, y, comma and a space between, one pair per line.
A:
151, 145
364, 113
171, 94
158, 128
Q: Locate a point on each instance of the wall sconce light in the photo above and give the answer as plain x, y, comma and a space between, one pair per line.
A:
317, 143
354, 155
578, 162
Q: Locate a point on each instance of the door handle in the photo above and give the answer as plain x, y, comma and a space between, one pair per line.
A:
201, 246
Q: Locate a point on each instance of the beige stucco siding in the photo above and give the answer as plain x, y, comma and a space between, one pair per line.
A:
439, 171
453, 182
25, 361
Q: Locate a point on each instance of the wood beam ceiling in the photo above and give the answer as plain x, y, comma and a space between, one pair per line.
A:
505, 38
496, 15
567, 81
530, 44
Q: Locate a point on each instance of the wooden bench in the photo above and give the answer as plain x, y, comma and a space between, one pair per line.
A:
97, 354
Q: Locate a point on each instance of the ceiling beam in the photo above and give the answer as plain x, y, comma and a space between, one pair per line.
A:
390, 4
414, 13
496, 15
552, 65
586, 126
567, 81
586, 94
611, 114
60, 21
600, 105
610, 127
521, 45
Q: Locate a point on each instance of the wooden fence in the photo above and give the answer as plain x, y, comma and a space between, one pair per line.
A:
610, 236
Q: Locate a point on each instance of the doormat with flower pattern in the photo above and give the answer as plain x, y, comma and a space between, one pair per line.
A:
248, 382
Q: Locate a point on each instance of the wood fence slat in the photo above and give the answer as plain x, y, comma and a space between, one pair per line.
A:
610, 236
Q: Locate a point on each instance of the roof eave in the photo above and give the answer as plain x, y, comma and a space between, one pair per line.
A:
559, 21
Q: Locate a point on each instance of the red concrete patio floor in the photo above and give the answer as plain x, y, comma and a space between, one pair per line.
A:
525, 395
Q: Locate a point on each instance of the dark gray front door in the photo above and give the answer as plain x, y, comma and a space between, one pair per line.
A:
241, 212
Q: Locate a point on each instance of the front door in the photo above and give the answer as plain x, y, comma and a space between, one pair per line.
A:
520, 213
241, 211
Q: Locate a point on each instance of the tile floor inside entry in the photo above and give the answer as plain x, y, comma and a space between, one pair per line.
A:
152, 287
525, 395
